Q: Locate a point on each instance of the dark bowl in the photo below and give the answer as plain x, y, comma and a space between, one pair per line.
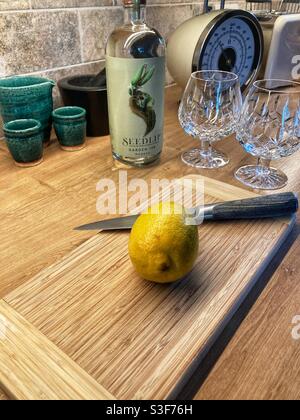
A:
76, 91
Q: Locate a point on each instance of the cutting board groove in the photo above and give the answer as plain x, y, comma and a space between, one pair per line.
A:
135, 338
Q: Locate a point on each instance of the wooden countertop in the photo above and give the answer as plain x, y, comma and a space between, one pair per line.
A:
261, 361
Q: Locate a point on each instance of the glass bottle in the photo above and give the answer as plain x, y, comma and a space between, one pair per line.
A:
135, 66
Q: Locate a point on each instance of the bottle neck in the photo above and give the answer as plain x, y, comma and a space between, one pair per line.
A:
135, 15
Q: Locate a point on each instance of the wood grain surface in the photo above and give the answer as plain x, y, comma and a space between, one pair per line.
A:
135, 338
39, 207
263, 359
32, 368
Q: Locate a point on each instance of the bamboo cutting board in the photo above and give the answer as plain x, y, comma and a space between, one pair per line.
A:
88, 327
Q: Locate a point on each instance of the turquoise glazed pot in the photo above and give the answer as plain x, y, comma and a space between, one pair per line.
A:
23, 97
24, 139
70, 127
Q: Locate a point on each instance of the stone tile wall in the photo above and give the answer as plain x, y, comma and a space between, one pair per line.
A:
55, 38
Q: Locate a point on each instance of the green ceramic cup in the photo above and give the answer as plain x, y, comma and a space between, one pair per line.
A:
70, 127
26, 97
24, 139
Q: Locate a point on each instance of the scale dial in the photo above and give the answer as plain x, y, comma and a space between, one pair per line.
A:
232, 42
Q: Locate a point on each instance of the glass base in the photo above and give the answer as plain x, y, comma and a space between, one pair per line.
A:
208, 159
137, 162
261, 177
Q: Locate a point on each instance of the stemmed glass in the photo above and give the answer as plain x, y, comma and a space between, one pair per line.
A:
269, 128
209, 111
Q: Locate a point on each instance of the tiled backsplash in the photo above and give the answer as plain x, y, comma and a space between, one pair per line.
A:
55, 38
59, 38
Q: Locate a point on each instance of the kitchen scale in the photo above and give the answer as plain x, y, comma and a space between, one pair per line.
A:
235, 41
282, 47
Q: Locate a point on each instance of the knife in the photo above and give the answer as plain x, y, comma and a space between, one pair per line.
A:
269, 206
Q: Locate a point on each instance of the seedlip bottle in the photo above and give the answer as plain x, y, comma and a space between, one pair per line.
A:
135, 65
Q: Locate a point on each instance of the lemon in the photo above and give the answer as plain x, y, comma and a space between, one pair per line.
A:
162, 247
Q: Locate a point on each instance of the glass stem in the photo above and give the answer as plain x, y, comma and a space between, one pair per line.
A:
205, 148
264, 165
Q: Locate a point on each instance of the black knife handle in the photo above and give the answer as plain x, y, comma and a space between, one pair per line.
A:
268, 206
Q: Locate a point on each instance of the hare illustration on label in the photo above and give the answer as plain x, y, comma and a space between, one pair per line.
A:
141, 103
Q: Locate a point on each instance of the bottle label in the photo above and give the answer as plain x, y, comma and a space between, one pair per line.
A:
136, 105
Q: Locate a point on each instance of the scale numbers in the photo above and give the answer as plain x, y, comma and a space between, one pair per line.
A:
230, 47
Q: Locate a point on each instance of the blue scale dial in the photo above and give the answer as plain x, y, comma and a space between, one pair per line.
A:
230, 47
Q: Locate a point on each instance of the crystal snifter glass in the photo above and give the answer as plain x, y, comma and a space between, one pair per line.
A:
269, 129
209, 111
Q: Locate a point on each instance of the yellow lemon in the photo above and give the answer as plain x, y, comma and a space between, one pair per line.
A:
162, 247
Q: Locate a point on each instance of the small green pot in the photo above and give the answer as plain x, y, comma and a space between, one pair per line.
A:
27, 97
70, 127
24, 139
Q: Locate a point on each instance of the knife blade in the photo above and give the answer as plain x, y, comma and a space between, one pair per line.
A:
269, 206
119, 223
